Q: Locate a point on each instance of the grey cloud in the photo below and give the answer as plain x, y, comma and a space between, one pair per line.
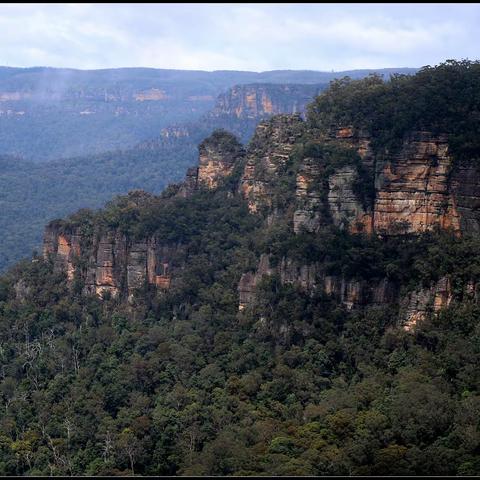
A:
237, 36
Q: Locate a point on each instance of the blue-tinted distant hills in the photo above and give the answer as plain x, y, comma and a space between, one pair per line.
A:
48, 113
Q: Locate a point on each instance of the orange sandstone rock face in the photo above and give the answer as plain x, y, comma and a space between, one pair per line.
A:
218, 155
115, 265
105, 279
308, 197
64, 248
412, 188
212, 169
258, 101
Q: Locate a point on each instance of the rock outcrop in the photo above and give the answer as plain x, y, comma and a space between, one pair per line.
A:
359, 140
416, 189
419, 303
309, 197
465, 188
346, 208
267, 158
65, 248
263, 100
190, 184
110, 263
218, 155
412, 187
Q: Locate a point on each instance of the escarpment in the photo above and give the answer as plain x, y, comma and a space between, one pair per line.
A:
256, 101
309, 197
413, 192
64, 247
301, 180
414, 189
310, 277
108, 262
267, 158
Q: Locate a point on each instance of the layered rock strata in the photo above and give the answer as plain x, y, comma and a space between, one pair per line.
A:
419, 303
218, 155
346, 209
309, 195
111, 264
65, 248
267, 158
412, 188
415, 189
262, 100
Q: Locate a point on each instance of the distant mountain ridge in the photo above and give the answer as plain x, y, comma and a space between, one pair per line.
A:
48, 113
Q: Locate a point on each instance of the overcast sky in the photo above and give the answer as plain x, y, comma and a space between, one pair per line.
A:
237, 36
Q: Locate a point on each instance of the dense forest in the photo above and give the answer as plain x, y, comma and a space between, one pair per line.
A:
32, 194
180, 382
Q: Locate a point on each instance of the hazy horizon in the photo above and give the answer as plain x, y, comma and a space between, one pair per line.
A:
213, 71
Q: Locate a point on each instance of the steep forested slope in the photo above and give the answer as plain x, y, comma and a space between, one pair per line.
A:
308, 305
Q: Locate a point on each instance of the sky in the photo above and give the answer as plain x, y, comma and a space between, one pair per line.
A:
237, 36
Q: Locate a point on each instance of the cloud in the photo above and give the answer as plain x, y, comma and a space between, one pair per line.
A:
236, 36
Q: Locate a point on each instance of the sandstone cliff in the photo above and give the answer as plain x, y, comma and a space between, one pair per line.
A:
416, 189
218, 156
340, 180
350, 293
108, 262
267, 158
263, 100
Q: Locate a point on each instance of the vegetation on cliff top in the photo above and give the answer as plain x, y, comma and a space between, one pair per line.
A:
441, 99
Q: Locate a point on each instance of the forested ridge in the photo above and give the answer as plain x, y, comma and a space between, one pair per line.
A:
180, 382
72, 139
